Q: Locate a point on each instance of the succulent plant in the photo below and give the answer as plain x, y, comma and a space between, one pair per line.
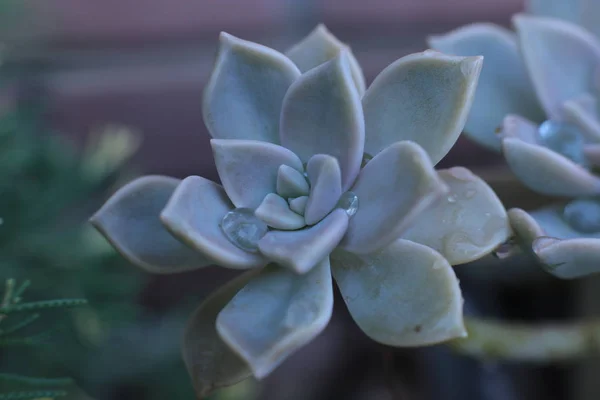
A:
320, 178
537, 103
581, 12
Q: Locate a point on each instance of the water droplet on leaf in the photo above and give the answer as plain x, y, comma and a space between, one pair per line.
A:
459, 243
563, 138
470, 193
300, 314
506, 250
243, 229
583, 215
452, 199
461, 173
349, 203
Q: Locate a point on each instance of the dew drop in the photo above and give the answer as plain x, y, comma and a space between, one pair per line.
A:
563, 138
470, 193
348, 202
452, 199
243, 229
461, 173
304, 165
583, 215
506, 250
459, 244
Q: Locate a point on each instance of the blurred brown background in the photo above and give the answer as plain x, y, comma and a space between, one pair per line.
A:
145, 63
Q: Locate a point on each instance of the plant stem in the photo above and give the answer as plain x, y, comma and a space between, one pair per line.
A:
544, 343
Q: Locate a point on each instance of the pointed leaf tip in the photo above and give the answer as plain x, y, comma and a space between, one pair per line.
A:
322, 114
321, 46
561, 58
423, 97
242, 99
130, 221
504, 86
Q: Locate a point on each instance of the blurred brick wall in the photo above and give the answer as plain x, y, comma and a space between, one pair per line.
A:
145, 62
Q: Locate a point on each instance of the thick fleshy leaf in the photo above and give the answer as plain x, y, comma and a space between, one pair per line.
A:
592, 154
504, 86
298, 204
548, 172
583, 215
465, 226
194, 214
584, 115
325, 187
587, 103
403, 295
554, 224
322, 114
248, 168
321, 46
569, 10
561, 58
569, 259
301, 250
581, 12
291, 183
277, 313
423, 97
130, 222
393, 189
243, 97
276, 213
209, 361
515, 126
524, 227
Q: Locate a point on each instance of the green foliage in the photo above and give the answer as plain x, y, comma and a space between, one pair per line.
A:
48, 190
15, 317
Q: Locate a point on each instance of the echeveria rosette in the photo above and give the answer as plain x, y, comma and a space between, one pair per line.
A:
548, 67
341, 176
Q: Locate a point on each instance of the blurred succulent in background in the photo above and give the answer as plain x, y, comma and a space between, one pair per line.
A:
320, 178
537, 103
585, 13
